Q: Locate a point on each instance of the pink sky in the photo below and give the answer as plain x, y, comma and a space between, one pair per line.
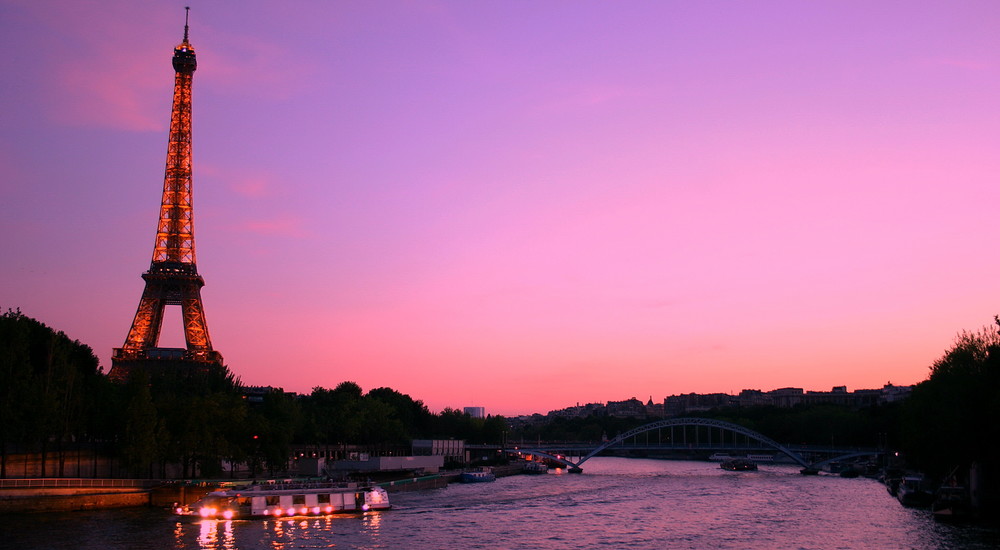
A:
519, 205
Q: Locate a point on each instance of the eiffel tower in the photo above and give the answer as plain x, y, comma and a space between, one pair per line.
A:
173, 277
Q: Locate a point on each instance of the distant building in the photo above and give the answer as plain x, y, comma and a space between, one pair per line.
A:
656, 410
476, 412
255, 394
450, 449
677, 405
786, 397
630, 408
580, 411
891, 394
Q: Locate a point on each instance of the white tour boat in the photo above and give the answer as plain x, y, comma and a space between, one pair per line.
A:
287, 499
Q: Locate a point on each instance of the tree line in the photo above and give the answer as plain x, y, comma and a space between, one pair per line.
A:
55, 399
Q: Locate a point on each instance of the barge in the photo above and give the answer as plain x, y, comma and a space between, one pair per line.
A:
276, 500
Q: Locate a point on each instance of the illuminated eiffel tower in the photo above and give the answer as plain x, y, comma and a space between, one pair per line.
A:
173, 277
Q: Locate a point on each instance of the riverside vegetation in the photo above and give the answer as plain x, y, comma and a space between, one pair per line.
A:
55, 397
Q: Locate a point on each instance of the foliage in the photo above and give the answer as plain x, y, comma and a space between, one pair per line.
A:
52, 393
948, 419
49, 386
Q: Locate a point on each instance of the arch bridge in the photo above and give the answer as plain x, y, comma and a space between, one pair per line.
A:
761, 442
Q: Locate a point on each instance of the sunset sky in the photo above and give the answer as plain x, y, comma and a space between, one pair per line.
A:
519, 205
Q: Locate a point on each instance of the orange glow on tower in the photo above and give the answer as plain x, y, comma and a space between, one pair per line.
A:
172, 278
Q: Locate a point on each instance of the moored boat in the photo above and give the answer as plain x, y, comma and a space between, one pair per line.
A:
912, 492
533, 467
478, 475
738, 465
274, 500
760, 457
951, 504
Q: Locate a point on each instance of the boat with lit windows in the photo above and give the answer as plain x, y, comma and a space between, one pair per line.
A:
287, 499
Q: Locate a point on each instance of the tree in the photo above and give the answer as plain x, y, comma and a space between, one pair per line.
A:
47, 381
949, 418
140, 447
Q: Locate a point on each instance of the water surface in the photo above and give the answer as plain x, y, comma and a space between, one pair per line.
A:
615, 503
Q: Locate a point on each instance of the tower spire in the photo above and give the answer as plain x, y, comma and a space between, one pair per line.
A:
187, 11
173, 277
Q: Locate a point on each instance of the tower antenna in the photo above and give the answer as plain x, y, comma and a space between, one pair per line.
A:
187, 11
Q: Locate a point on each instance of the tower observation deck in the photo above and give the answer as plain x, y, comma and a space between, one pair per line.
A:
172, 278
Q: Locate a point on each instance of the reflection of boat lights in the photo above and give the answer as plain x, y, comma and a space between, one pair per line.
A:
228, 514
208, 535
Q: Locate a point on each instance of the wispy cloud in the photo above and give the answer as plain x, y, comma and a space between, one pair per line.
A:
258, 67
955, 62
92, 82
281, 227
252, 187
242, 181
589, 97
84, 96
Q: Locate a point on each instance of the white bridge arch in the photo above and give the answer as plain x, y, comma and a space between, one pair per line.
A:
678, 422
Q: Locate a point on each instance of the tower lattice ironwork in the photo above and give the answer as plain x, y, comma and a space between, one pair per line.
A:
173, 277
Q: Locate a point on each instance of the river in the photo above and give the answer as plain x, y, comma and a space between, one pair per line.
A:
615, 503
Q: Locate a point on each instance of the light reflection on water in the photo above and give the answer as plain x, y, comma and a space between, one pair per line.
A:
616, 503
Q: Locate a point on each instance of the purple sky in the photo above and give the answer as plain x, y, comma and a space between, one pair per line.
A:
519, 205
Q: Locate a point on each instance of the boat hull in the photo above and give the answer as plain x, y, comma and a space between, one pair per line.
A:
286, 500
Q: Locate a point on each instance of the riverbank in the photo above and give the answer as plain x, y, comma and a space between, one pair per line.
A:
62, 495
35, 496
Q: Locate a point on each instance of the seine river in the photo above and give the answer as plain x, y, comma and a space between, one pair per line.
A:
615, 503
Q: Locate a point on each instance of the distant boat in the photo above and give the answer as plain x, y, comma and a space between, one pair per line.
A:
738, 465
479, 475
760, 457
533, 467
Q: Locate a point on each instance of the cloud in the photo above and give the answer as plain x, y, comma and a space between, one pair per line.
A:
954, 62
254, 187
88, 97
281, 227
588, 97
99, 62
241, 180
258, 67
